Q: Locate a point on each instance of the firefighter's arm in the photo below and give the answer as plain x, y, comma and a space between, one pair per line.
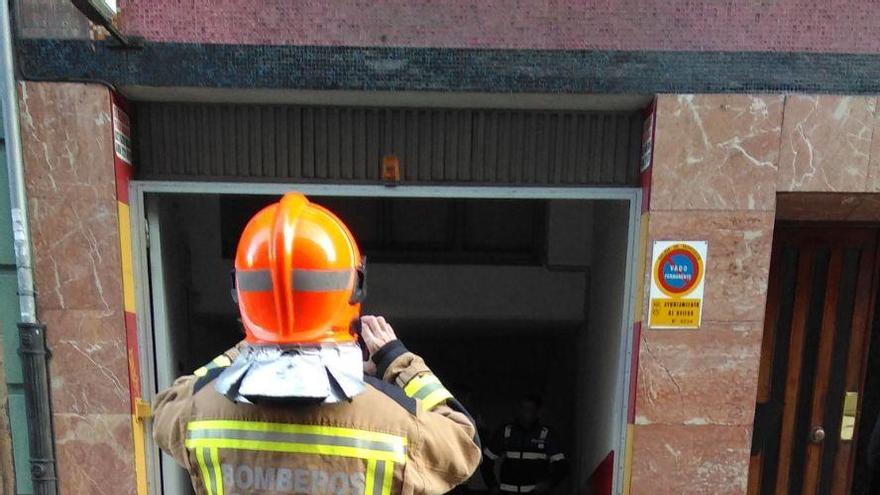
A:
172, 407
171, 410
447, 451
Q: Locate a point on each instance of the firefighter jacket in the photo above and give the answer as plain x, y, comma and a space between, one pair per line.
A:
404, 434
529, 457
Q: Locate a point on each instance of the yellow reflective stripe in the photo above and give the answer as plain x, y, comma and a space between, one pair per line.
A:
332, 431
371, 477
386, 483
203, 467
428, 389
295, 448
221, 361
412, 388
218, 476
436, 398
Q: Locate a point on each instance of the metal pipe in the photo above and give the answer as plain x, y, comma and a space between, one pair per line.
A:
17, 196
32, 334
35, 374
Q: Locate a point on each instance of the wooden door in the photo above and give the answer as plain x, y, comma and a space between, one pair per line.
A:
822, 286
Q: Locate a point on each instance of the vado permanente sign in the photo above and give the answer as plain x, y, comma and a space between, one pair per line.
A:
678, 275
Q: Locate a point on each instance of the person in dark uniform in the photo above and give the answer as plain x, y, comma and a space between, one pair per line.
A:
524, 456
874, 460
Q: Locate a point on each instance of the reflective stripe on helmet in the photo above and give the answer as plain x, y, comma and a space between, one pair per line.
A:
302, 439
303, 280
322, 280
253, 280
428, 389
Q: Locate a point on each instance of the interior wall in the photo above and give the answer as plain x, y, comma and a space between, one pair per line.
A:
598, 379
401, 291
492, 332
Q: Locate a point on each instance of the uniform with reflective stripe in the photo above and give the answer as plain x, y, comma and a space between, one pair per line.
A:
381, 451
528, 457
428, 389
516, 489
220, 361
293, 438
209, 465
360, 446
525, 455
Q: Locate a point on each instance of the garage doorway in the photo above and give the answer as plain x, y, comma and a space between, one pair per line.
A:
504, 291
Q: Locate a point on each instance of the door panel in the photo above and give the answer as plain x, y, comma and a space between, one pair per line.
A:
819, 305
166, 315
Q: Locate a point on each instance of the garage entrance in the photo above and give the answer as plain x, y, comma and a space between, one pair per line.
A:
502, 296
503, 254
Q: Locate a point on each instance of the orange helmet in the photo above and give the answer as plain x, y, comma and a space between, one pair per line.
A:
299, 276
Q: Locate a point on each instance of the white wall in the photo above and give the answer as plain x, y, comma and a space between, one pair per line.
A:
598, 378
413, 291
475, 292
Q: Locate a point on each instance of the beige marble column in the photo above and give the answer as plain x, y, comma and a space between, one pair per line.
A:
714, 179
826, 143
67, 146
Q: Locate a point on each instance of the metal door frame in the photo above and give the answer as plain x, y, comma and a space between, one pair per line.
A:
137, 197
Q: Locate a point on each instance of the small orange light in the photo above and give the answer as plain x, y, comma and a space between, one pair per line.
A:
390, 168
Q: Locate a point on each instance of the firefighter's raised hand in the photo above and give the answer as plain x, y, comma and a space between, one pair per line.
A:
376, 332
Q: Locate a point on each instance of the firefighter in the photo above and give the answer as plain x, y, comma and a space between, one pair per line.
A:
524, 456
295, 408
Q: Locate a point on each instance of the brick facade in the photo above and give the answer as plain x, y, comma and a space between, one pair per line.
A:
700, 25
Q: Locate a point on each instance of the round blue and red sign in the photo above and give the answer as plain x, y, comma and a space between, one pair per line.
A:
678, 270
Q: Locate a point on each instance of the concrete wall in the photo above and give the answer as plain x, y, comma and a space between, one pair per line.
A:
598, 380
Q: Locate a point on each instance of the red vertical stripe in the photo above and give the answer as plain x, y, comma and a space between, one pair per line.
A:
645, 183
134, 376
123, 178
123, 171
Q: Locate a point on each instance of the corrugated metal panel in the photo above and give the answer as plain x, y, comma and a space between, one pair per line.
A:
343, 144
